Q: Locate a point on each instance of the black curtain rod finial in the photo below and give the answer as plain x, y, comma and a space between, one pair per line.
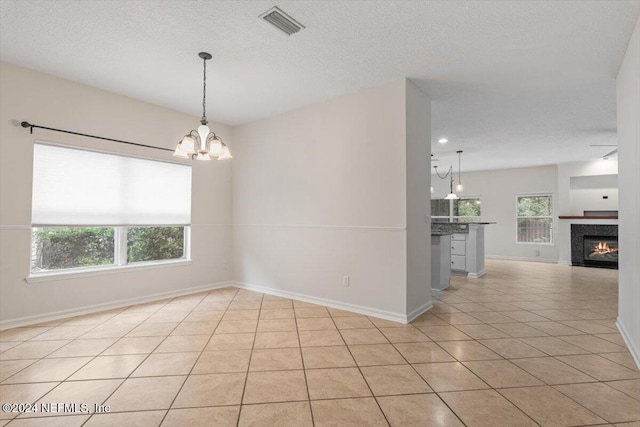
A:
25, 125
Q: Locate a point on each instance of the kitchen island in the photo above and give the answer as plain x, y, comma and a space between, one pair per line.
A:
467, 246
440, 261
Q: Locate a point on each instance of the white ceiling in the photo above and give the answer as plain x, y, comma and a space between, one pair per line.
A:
513, 83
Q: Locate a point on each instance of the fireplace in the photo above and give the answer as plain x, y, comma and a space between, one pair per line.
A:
594, 245
600, 251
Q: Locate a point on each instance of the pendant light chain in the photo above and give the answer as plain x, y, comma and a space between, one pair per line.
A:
204, 93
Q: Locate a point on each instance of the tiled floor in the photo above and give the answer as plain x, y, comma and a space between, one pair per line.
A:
528, 344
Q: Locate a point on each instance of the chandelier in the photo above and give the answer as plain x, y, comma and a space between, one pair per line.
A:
451, 195
203, 143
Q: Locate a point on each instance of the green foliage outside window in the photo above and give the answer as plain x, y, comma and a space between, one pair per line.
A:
71, 247
154, 243
534, 206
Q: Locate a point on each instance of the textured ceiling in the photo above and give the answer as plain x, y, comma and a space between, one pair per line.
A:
513, 83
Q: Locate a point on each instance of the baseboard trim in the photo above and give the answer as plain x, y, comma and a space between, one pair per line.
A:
367, 311
635, 352
476, 275
519, 258
419, 311
562, 262
88, 309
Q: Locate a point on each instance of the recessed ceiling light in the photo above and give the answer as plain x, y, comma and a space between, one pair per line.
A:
443, 140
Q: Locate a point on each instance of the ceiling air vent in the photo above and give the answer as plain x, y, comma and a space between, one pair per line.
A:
276, 17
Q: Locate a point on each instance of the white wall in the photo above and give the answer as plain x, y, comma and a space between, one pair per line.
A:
320, 193
498, 190
418, 122
50, 101
628, 100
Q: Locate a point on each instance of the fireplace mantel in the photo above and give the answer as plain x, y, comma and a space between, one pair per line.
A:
587, 217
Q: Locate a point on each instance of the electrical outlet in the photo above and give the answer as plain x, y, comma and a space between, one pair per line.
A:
346, 281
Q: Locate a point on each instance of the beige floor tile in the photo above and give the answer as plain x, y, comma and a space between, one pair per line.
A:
63, 333
22, 393
553, 346
320, 338
266, 304
277, 313
347, 412
423, 352
449, 376
327, 357
465, 351
418, 410
275, 359
244, 305
277, 325
10, 367
524, 316
408, 334
428, 319
129, 419
64, 421
109, 331
518, 330
152, 330
394, 379
353, 322
615, 338
275, 386
134, 345
444, 333
315, 324
32, 350
376, 354
289, 414
311, 312
336, 312
21, 334
211, 390
624, 359
195, 328
607, 402
103, 367
549, 407
552, 371
336, 383
630, 387
138, 394
236, 326
223, 416
79, 348
485, 408
593, 344
502, 373
276, 340
458, 318
599, 367
482, 332
511, 348
4, 346
204, 316
554, 328
214, 362
231, 342
241, 315
163, 364
182, 343
362, 336
488, 316
48, 370
589, 326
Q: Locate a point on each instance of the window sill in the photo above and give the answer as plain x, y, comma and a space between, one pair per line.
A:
101, 271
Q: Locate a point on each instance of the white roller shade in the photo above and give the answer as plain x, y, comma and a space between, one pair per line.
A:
79, 187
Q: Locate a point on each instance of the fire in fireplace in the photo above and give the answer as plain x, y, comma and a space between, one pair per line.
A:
601, 251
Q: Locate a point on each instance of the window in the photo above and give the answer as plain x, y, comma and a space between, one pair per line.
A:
97, 210
465, 209
534, 218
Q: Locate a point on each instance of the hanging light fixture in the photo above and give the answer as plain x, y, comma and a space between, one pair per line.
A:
203, 143
459, 186
449, 174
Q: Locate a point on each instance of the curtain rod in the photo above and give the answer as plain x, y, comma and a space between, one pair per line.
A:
32, 126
